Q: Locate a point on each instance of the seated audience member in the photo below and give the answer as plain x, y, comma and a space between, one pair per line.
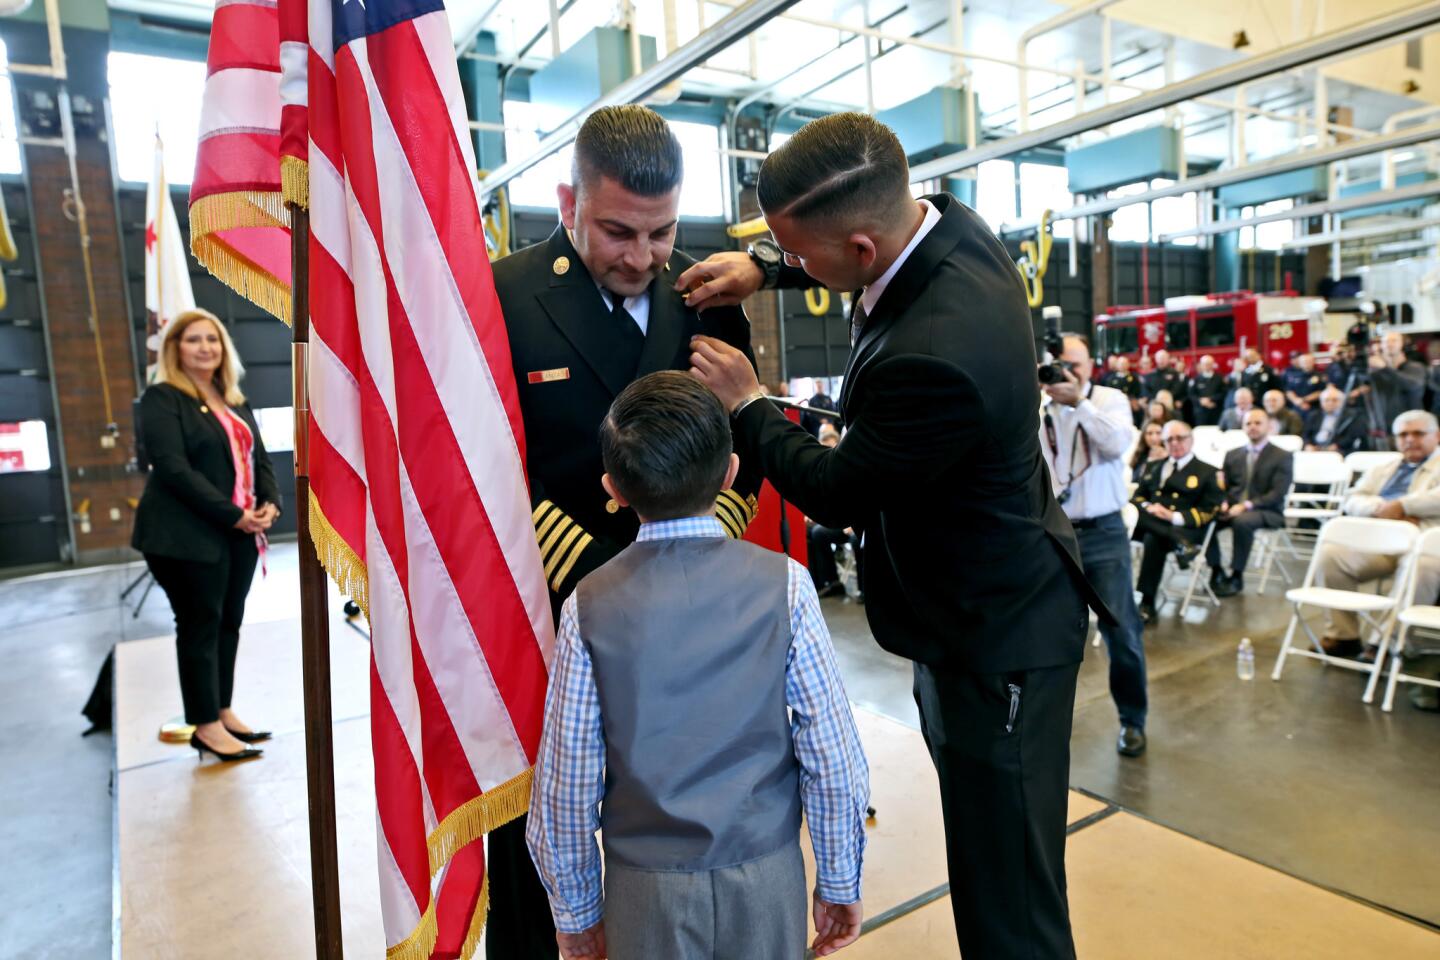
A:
666, 721
1303, 383
1158, 412
1150, 448
1234, 417
1407, 489
1282, 418
1257, 478
1334, 426
1177, 497
1207, 393
822, 542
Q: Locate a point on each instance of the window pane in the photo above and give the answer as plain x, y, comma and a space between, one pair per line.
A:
995, 192
703, 194
1177, 334
24, 446
9, 135
1046, 187
1170, 214
1214, 330
150, 94
277, 427
1121, 338
1270, 236
1130, 224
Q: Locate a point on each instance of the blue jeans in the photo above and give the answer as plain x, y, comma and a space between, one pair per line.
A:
1105, 555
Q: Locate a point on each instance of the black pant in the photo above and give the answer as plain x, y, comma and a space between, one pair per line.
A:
820, 545
1159, 537
1105, 555
520, 926
1242, 532
1004, 796
209, 603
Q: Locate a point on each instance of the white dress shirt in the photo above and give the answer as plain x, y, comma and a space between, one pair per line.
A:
638, 307
1095, 470
1172, 467
871, 294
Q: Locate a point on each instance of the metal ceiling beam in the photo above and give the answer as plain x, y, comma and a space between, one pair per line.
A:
1361, 233
1251, 171
1377, 31
736, 25
1375, 198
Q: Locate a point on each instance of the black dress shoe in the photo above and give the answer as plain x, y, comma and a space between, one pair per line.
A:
254, 736
202, 748
1336, 647
1147, 613
1224, 587
1131, 742
1185, 554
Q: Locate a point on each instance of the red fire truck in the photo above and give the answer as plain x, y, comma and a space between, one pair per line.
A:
1222, 325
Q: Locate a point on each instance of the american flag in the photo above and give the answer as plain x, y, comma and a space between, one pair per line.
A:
419, 503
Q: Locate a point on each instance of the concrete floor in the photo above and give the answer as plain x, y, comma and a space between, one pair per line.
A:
1297, 775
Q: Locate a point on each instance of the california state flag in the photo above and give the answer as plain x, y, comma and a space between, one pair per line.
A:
167, 272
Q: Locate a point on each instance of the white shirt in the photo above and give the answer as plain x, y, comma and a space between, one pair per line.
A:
871, 295
638, 307
1097, 481
1175, 466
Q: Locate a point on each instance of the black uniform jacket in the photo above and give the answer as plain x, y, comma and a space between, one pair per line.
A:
1269, 482
568, 375
1350, 430
186, 511
1193, 491
969, 561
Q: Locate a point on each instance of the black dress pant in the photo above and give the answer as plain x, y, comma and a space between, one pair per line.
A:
1242, 532
1159, 538
519, 926
1001, 748
820, 551
209, 604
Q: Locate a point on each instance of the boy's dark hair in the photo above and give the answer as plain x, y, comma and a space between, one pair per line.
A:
847, 167
666, 445
632, 145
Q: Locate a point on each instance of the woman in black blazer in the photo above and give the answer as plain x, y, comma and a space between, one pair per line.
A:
201, 524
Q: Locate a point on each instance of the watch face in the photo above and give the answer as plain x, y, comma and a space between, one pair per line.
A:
766, 251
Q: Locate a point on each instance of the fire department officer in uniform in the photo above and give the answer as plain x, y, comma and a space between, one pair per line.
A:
1176, 497
588, 311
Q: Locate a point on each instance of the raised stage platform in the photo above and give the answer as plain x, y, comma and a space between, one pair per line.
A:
213, 859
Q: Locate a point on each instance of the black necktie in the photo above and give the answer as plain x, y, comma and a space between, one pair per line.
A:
629, 340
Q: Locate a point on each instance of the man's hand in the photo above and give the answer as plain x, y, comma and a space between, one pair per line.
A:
1391, 510
1164, 513
1235, 509
837, 925
1207, 403
1067, 393
585, 945
721, 280
1377, 362
724, 370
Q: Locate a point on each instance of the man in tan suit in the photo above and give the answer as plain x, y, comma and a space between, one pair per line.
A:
1407, 489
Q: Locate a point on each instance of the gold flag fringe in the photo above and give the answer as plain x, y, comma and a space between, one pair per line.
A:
230, 211
477, 921
338, 559
295, 181
421, 942
477, 817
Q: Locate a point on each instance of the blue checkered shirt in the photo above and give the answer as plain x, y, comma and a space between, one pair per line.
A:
569, 779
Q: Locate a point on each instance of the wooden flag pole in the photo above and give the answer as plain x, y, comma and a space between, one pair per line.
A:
314, 621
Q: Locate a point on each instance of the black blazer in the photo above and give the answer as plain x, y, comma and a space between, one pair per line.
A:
1350, 431
186, 511
969, 561
1268, 484
1193, 491
568, 375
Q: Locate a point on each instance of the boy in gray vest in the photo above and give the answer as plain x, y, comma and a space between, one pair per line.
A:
666, 722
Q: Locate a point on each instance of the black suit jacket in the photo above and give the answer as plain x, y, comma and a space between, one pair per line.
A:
186, 511
969, 561
1350, 430
1193, 491
568, 375
1269, 482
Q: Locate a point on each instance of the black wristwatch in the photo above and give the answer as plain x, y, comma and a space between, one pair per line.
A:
768, 257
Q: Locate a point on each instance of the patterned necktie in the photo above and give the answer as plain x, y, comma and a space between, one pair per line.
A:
1250, 457
1399, 483
857, 318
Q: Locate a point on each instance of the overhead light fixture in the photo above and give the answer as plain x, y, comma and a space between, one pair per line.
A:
1240, 40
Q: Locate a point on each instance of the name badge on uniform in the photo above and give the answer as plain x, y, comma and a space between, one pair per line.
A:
548, 376
1192, 482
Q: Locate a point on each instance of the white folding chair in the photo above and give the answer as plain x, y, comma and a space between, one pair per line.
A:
1195, 579
1210, 454
1286, 441
1423, 616
1391, 538
1205, 434
1328, 474
1229, 440
1362, 460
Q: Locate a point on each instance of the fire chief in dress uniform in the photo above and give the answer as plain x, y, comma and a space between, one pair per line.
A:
588, 311
1177, 497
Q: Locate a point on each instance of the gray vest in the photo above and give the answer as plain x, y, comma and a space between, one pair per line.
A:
689, 640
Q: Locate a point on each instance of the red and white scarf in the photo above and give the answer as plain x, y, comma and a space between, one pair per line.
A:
242, 452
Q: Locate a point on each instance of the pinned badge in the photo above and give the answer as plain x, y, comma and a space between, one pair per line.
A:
561, 266
548, 376
1192, 482
611, 506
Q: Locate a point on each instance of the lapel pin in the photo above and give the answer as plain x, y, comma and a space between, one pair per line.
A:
561, 266
611, 506
204, 409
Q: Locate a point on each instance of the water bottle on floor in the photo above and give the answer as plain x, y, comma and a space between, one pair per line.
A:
1245, 660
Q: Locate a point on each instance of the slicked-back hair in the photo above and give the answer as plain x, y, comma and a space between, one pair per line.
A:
847, 168
632, 145
666, 445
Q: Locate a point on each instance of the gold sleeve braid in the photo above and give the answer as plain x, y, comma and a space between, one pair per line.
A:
561, 540
734, 512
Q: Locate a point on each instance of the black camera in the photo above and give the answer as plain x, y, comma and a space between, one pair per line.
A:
1053, 370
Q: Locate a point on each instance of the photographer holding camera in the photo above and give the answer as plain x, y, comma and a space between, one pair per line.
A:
1085, 432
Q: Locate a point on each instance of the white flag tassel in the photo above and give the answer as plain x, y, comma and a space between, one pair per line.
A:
167, 270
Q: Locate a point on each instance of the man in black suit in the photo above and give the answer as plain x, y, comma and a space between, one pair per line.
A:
1207, 393
588, 311
1257, 375
1257, 478
819, 400
1177, 498
972, 569
1333, 425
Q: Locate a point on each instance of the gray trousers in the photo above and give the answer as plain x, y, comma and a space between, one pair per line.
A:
1344, 569
751, 911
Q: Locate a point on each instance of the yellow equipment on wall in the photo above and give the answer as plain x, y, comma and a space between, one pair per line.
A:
7, 246
1035, 260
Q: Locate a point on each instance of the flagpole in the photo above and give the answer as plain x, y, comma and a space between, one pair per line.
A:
314, 621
